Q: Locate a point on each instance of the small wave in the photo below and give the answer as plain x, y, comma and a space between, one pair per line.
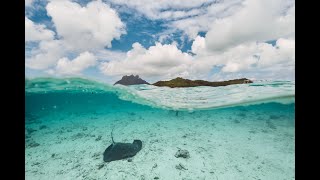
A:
174, 98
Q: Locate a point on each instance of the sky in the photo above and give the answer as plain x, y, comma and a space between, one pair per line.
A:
159, 40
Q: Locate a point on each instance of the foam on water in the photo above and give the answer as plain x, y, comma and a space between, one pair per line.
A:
175, 98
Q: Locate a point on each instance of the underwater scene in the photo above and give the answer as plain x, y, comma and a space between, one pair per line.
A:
235, 132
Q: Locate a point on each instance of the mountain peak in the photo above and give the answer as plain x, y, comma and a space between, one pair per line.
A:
131, 80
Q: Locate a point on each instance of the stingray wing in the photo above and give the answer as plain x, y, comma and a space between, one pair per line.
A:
119, 151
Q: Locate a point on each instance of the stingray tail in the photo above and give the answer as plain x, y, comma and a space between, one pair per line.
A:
112, 136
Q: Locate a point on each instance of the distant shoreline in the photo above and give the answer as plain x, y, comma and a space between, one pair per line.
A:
180, 82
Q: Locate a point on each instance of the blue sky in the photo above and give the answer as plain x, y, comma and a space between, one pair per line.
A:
212, 40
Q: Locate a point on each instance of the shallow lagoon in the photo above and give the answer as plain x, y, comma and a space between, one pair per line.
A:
68, 125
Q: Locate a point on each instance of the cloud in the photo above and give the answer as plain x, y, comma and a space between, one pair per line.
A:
256, 21
258, 60
198, 46
178, 14
157, 61
234, 46
36, 32
28, 2
45, 55
110, 55
75, 66
189, 16
251, 18
165, 9
254, 60
83, 31
191, 26
91, 27
283, 53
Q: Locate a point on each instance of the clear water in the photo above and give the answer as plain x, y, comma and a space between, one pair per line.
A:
234, 132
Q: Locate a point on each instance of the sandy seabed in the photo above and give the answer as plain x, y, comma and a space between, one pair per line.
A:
223, 144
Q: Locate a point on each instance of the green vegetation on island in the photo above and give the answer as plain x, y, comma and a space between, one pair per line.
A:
180, 82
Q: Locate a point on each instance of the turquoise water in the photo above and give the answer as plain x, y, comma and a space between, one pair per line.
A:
235, 132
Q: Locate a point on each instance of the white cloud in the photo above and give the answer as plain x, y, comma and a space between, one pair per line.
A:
251, 60
79, 29
164, 37
36, 32
165, 61
85, 28
191, 26
198, 45
170, 14
256, 21
189, 16
110, 55
28, 2
251, 18
257, 60
75, 66
45, 55
195, 24
283, 53
235, 40
165, 9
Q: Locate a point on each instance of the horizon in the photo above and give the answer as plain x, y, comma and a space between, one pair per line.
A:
207, 40
151, 83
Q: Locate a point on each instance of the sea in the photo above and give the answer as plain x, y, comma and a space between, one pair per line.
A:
235, 132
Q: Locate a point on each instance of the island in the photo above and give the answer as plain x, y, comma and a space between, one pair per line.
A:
131, 80
180, 82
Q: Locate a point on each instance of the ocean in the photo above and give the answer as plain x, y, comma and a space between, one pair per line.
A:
242, 132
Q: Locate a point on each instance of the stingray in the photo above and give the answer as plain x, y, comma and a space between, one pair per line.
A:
118, 151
